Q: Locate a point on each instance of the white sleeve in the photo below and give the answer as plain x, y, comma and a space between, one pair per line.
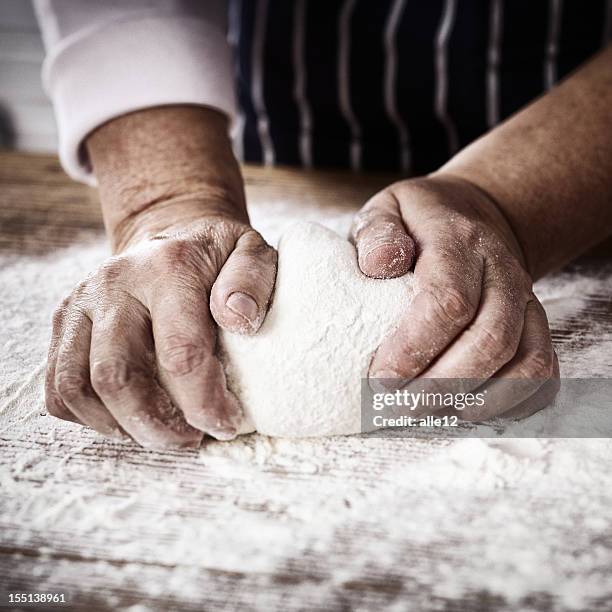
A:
105, 59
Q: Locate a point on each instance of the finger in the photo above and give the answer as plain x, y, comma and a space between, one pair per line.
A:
492, 339
240, 296
53, 402
72, 380
185, 344
122, 366
384, 248
525, 374
544, 396
446, 302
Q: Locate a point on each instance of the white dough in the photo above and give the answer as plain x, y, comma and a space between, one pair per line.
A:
300, 375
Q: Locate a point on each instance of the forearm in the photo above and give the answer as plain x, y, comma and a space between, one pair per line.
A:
549, 168
163, 166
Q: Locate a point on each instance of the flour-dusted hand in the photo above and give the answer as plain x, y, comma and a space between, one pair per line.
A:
474, 315
134, 347
522, 200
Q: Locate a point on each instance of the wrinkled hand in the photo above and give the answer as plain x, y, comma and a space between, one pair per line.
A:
134, 346
474, 315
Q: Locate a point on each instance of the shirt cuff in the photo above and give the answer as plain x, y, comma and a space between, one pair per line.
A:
105, 71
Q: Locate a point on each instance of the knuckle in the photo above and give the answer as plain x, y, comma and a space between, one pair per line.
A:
408, 360
451, 306
60, 312
109, 280
467, 231
363, 220
81, 291
58, 316
264, 252
256, 247
538, 364
253, 240
495, 343
51, 404
77, 303
55, 406
179, 355
110, 376
412, 189
72, 386
176, 249
111, 271
504, 268
524, 280
515, 276
181, 256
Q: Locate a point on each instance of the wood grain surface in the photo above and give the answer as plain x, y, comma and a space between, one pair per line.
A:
336, 524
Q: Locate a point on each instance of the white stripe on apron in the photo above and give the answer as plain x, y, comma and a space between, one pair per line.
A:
233, 37
552, 43
440, 48
299, 67
493, 58
344, 58
390, 35
263, 124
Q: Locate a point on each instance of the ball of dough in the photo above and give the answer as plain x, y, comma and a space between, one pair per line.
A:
300, 375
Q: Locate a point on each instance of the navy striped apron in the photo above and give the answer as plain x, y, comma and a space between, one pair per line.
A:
396, 85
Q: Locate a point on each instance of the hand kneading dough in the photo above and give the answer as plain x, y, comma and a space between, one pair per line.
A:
300, 375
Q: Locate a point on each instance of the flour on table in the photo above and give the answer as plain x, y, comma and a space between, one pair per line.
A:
300, 375
512, 524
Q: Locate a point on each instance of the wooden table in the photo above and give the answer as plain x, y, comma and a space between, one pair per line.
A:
337, 524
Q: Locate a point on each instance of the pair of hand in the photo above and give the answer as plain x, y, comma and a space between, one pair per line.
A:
133, 348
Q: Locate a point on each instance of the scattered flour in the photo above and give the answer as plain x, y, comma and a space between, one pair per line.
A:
340, 522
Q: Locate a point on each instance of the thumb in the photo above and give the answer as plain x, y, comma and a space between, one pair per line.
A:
384, 248
240, 296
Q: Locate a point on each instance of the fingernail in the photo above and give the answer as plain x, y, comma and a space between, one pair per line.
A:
387, 259
225, 433
243, 305
378, 249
